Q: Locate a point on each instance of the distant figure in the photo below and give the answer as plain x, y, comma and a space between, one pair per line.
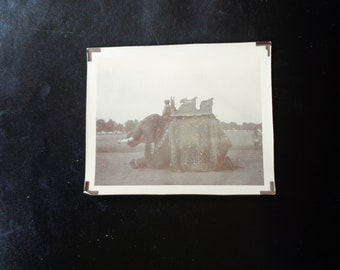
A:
257, 138
167, 109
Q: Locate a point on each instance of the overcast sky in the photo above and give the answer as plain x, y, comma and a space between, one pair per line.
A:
132, 82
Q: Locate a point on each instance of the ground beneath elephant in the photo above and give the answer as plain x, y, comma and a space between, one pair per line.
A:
112, 165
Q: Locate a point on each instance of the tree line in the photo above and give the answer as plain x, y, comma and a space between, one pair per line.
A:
114, 127
243, 126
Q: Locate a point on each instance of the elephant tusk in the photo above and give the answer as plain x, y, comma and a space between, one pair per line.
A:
125, 140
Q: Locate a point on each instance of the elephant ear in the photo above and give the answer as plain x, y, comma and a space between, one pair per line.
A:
143, 139
161, 128
157, 134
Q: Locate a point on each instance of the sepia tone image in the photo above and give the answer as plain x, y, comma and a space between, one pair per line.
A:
180, 119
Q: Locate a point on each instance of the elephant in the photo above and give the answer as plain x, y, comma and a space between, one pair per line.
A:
148, 131
181, 143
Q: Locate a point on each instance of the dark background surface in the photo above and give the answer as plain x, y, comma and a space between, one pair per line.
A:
46, 222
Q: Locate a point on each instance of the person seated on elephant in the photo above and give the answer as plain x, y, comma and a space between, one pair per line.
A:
167, 109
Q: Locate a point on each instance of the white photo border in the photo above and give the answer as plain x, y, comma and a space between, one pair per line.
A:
268, 188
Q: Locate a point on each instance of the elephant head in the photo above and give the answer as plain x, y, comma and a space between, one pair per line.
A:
147, 131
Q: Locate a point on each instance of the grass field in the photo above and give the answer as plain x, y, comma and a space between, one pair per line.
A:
112, 165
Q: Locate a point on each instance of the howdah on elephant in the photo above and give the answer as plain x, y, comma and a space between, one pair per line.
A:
190, 142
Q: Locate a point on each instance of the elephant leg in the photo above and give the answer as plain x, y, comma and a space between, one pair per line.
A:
228, 163
173, 147
225, 163
147, 150
139, 163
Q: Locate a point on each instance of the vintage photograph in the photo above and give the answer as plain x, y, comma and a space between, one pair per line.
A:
180, 119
